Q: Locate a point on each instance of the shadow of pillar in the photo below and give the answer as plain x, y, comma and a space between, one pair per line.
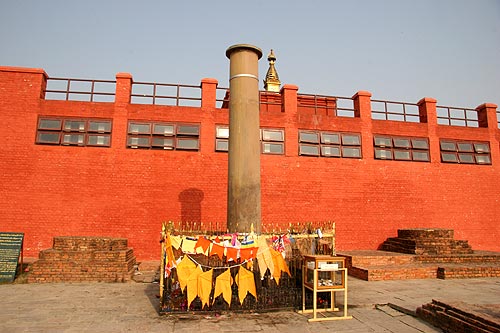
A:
190, 200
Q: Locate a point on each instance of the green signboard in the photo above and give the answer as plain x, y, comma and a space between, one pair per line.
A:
11, 244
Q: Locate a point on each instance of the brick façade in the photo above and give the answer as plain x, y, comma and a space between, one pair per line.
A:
52, 191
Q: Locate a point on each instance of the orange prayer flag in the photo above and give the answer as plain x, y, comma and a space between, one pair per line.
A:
231, 253
169, 253
203, 243
218, 250
248, 253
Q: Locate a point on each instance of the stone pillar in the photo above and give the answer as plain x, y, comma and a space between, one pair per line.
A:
243, 200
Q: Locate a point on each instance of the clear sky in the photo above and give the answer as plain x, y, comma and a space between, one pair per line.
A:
399, 50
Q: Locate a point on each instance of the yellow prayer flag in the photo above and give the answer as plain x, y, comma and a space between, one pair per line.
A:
184, 270
223, 284
205, 287
246, 284
192, 285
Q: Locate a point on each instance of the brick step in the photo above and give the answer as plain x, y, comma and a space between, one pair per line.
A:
58, 255
71, 271
376, 258
426, 233
72, 243
476, 270
459, 317
401, 272
426, 246
77, 259
476, 257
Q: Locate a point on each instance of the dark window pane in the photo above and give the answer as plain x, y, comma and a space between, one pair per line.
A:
188, 130
448, 146
309, 150
138, 141
402, 155
466, 158
308, 137
191, 144
351, 152
222, 132
50, 124
330, 138
137, 128
272, 135
161, 129
221, 145
99, 126
383, 154
74, 125
98, 140
449, 157
421, 156
48, 138
401, 143
351, 140
465, 147
273, 148
73, 139
483, 159
382, 141
482, 147
161, 142
333, 151
420, 143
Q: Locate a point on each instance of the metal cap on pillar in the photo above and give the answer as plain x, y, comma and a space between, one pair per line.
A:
243, 200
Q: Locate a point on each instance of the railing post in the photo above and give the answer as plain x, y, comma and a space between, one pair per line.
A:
289, 108
208, 93
123, 88
428, 114
487, 117
122, 100
363, 111
289, 99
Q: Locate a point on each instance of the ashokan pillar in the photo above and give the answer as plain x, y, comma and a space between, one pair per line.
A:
243, 200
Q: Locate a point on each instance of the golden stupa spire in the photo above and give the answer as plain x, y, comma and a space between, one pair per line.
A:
272, 81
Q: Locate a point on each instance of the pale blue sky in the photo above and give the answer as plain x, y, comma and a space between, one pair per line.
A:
399, 50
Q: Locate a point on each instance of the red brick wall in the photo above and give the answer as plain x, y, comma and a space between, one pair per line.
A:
52, 191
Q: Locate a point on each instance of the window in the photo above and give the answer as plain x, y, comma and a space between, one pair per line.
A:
272, 140
74, 132
465, 152
397, 148
329, 144
166, 136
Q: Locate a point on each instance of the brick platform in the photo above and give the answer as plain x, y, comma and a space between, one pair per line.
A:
459, 317
78, 259
424, 241
383, 265
423, 254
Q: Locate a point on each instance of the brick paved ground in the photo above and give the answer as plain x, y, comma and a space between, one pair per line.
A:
132, 307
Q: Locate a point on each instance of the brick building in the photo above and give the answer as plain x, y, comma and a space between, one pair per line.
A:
116, 158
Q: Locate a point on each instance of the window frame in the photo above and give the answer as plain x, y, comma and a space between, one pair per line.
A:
338, 141
469, 152
393, 145
84, 131
176, 134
